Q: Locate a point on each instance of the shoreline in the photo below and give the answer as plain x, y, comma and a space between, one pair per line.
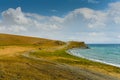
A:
94, 60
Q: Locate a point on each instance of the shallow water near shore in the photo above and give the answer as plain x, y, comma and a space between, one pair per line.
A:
104, 53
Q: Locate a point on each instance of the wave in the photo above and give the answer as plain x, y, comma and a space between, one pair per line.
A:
96, 60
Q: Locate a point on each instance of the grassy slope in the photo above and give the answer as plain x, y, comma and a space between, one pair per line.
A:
53, 62
62, 57
6, 39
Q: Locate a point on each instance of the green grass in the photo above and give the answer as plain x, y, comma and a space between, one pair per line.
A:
63, 57
52, 63
22, 68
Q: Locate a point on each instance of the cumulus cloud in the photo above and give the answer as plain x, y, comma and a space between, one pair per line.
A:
12, 16
92, 17
14, 20
90, 25
114, 12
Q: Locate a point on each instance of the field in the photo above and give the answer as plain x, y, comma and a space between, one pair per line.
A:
29, 58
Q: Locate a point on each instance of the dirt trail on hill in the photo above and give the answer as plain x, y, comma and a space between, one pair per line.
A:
55, 70
74, 72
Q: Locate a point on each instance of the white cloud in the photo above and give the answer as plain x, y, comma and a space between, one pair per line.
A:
93, 1
17, 28
95, 18
54, 10
96, 34
14, 20
12, 16
101, 25
118, 36
114, 12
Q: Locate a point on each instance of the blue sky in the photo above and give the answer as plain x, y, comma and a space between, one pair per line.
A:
92, 21
54, 7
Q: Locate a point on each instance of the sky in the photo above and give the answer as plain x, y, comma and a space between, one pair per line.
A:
91, 21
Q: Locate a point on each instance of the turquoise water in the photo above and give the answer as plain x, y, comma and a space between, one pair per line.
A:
104, 53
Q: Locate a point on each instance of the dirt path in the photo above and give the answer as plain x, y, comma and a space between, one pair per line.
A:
77, 73
56, 70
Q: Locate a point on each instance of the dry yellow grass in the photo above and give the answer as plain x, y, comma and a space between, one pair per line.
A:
7, 39
13, 50
50, 62
62, 57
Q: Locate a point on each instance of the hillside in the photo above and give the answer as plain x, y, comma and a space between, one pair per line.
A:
76, 44
30, 58
7, 39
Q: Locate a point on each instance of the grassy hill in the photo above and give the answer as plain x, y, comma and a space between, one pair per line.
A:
30, 58
7, 39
